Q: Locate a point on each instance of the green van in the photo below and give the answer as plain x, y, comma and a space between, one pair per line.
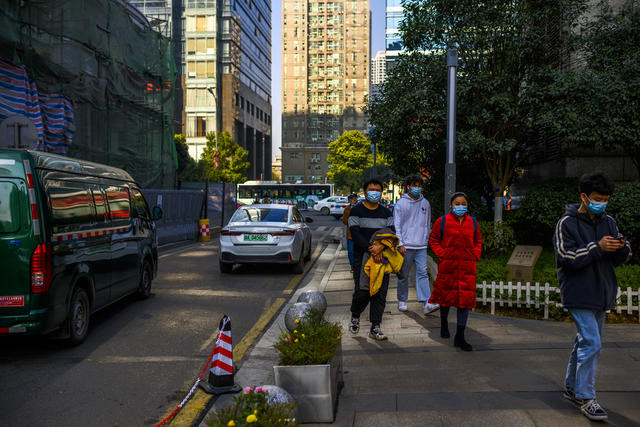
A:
75, 236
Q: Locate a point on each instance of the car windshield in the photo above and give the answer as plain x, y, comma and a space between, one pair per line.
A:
261, 215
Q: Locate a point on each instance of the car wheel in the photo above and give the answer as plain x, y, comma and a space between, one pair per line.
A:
325, 211
79, 315
144, 289
226, 267
298, 267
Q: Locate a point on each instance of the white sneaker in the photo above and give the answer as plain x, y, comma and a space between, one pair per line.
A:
402, 306
429, 308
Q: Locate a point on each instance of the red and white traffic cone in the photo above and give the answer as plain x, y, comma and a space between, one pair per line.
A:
221, 369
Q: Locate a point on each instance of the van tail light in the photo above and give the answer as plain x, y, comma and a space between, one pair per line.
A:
229, 233
41, 269
283, 233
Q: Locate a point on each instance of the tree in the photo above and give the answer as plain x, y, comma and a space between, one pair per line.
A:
233, 160
507, 50
598, 103
349, 155
188, 168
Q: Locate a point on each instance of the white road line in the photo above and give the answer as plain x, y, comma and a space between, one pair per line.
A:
203, 293
144, 359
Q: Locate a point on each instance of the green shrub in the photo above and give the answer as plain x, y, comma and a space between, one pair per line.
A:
252, 408
541, 209
624, 207
314, 342
497, 238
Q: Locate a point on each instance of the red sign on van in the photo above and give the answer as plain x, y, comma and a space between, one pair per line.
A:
12, 301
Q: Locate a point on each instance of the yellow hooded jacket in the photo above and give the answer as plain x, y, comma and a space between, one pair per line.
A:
391, 262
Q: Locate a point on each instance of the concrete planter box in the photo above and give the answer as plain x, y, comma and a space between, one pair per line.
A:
315, 388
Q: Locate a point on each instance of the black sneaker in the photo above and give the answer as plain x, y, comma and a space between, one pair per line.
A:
377, 334
354, 327
570, 395
592, 410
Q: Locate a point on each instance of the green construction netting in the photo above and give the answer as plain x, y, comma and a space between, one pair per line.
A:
118, 74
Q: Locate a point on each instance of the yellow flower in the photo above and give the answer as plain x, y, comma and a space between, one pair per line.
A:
231, 424
296, 340
297, 320
302, 335
295, 331
252, 419
255, 412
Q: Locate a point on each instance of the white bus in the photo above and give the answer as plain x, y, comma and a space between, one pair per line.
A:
303, 196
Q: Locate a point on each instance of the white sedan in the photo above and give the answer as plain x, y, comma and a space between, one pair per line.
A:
331, 206
265, 233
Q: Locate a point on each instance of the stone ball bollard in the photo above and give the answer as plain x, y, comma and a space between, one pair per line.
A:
296, 311
277, 395
315, 299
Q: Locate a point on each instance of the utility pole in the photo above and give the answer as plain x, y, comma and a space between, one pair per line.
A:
450, 166
215, 131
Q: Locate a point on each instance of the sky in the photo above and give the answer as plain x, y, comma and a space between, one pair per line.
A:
377, 43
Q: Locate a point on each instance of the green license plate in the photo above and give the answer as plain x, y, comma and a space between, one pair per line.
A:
255, 237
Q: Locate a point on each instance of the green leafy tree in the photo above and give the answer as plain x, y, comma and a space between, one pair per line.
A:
188, 168
233, 159
349, 156
597, 103
507, 52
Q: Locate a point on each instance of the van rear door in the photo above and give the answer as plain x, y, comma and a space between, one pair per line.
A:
17, 239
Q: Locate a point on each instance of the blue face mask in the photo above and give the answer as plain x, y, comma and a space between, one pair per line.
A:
459, 210
373, 196
415, 191
596, 207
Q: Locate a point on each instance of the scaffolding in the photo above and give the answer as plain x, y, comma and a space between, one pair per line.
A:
117, 72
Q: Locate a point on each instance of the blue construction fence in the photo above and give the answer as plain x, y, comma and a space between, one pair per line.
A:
183, 208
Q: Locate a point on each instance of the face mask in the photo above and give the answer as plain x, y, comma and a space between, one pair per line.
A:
459, 210
415, 191
373, 196
353, 204
596, 207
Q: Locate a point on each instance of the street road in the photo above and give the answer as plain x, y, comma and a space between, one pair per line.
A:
141, 357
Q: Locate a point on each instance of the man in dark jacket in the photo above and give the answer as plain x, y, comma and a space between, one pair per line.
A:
588, 246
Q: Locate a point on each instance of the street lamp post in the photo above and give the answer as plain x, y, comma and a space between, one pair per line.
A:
450, 166
215, 99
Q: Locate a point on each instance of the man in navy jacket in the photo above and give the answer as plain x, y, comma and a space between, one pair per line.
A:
588, 246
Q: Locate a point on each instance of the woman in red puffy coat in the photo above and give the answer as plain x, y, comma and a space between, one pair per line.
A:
458, 250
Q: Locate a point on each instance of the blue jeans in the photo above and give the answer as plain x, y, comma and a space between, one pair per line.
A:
583, 362
419, 257
350, 251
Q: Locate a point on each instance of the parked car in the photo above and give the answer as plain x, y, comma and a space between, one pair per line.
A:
331, 205
265, 233
75, 236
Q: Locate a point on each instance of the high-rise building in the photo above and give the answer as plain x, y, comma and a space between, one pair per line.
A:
394, 13
227, 69
378, 72
325, 80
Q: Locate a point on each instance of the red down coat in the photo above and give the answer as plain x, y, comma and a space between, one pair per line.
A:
458, 252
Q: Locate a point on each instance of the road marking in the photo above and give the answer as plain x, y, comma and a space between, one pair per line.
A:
204, 293
180, 250
144, 359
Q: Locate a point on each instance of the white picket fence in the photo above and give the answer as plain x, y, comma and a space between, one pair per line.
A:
535, 295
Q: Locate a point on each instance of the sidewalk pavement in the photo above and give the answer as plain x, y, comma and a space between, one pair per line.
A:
513, 377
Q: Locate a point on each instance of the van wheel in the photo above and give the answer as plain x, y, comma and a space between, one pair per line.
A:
298, 267
79, 315
144, 289
225, 267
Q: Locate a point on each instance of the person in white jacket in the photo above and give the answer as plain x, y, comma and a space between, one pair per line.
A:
412, 221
